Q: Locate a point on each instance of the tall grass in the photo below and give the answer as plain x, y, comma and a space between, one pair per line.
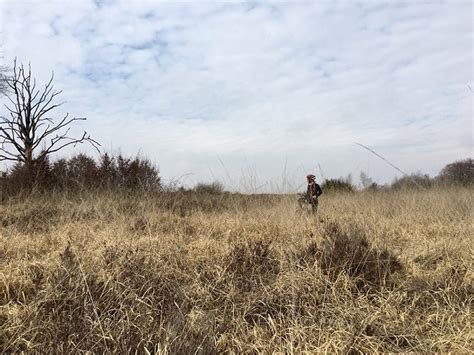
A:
185, 273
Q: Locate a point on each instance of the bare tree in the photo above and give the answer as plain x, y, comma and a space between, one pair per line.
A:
29, 127
365, 180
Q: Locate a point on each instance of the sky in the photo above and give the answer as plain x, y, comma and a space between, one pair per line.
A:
258, 94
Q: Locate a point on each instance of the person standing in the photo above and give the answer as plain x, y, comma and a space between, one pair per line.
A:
313, 192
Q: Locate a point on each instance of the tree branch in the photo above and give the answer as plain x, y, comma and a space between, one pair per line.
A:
29, 124
57, 139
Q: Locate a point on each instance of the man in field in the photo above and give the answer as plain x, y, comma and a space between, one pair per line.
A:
313, 192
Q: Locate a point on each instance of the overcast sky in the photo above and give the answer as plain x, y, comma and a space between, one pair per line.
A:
258, 94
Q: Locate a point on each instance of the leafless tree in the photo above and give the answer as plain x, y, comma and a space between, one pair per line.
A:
29, 128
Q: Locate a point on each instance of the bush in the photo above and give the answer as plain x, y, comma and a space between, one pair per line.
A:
458, 173
337, 185
352, 254
214, 188
26, 176
133, 173
80, 170
252, 264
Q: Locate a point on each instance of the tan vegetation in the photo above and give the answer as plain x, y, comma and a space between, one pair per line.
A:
179, 273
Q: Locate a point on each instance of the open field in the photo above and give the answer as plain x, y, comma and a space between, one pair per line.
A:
183, 273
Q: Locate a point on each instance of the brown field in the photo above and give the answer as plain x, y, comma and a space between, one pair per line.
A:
169, 273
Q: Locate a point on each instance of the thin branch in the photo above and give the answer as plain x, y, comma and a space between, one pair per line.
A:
389, 163
11, 139
74, 141
381, 157
6, 151
5, 158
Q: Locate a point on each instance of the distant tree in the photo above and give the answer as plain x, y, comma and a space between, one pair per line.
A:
348, 179
28, 127
413, 181
365, 180
458, 173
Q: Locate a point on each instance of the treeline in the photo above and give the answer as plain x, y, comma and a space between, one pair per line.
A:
117, 172
82, 172
459, 173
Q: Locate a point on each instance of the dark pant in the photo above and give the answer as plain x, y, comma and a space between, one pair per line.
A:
314, 205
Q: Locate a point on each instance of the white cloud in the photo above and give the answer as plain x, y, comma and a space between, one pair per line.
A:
193, 86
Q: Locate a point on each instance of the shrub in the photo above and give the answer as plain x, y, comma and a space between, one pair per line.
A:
26, 176
337, 185
252, 264
214, 188
82, 171
352, 254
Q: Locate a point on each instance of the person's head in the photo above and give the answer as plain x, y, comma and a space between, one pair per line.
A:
310, 178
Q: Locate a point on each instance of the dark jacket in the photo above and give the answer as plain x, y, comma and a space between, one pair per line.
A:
313, 191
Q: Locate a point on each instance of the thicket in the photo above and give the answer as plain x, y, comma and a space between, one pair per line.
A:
82, 172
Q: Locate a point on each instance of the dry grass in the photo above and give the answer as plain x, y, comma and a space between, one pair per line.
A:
182, 274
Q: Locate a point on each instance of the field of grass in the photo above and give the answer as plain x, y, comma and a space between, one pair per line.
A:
171, 273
